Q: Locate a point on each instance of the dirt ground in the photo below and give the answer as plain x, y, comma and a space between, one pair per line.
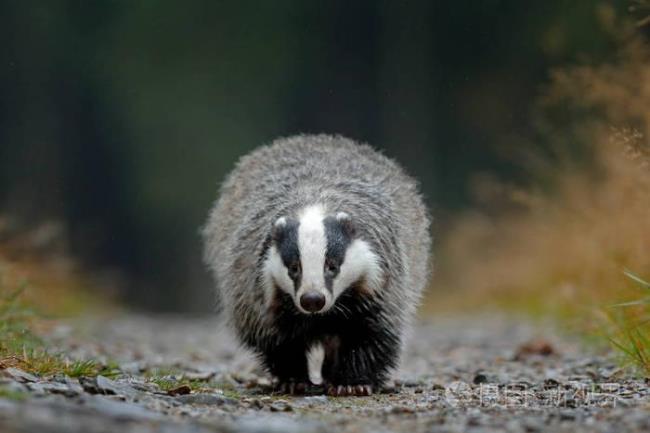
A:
459, 374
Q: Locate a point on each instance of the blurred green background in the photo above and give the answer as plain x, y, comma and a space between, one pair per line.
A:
118, 118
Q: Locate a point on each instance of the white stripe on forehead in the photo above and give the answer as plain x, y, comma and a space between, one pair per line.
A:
312, 243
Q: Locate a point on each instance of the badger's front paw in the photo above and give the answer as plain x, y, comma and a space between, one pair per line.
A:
349, 390
292, 388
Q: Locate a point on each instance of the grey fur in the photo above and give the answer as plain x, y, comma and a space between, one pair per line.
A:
291, 173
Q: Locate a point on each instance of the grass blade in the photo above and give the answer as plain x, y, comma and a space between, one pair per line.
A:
634, 277
643, 301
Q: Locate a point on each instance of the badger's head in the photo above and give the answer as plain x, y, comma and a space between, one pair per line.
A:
315, 257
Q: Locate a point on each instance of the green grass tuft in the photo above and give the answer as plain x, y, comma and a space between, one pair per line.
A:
631, 325
22, 348
15, 319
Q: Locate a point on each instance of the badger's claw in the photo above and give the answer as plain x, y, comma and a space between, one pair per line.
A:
349, 390
292, 388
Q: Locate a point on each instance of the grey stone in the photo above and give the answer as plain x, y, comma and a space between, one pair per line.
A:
55, 388
20, 375
315, 399
206, 399
281, 406
104, 385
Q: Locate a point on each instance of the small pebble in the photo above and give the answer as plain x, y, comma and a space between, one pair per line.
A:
281, 406
180, 390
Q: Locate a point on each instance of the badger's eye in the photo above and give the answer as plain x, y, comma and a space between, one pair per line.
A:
331, 267
294, 269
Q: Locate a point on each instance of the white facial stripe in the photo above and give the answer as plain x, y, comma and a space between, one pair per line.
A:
360, 261
312, 244
275, 273
315, 358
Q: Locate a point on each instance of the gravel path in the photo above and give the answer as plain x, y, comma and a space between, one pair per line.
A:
458, 375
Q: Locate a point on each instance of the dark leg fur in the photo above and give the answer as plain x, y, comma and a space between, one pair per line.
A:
360, 365
288, 363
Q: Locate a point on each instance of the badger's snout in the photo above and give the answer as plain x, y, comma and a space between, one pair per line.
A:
312, 301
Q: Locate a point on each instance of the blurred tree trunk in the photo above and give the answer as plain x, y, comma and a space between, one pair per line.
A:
408, 75
31, 168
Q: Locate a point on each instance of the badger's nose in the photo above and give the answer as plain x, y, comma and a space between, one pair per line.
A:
312, 301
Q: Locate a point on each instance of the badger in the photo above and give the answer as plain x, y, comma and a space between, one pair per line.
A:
320, 250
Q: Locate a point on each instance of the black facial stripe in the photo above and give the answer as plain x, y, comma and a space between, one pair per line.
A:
286, 241
338, 240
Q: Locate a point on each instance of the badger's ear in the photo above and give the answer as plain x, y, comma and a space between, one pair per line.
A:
346, 223
278, 229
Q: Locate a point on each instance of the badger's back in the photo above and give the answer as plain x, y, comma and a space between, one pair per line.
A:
292, 173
